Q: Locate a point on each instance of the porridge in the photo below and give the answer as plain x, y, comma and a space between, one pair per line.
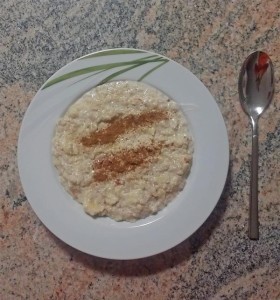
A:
123, 150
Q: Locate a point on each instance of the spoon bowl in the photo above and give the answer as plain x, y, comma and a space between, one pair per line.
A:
256, 83
256, 88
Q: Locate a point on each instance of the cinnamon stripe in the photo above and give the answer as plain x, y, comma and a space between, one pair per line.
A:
113, 165
119, 126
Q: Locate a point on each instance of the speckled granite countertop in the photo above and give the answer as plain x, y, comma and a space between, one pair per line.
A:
211, 38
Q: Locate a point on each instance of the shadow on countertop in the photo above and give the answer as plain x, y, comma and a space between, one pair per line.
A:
160, 262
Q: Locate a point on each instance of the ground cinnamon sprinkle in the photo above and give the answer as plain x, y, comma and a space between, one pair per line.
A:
119, 126
110, 166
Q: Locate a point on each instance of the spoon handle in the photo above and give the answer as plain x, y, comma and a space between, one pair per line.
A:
253, 205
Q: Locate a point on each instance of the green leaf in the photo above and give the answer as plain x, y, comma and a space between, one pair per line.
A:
113, 52
106, 79
84, 71
88, 77
150, 56
152, 70
98, 68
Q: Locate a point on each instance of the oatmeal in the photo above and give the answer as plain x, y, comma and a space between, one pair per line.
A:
123, 150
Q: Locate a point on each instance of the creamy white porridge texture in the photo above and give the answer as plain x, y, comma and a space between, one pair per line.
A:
123, 150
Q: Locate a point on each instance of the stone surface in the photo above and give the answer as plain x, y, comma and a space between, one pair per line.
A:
211, 38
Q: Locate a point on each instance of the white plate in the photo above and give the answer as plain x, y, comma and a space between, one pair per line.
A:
104, 237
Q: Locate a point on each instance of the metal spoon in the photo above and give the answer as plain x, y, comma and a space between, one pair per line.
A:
256, 87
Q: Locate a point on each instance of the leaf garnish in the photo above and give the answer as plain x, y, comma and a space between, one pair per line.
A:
101, 68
